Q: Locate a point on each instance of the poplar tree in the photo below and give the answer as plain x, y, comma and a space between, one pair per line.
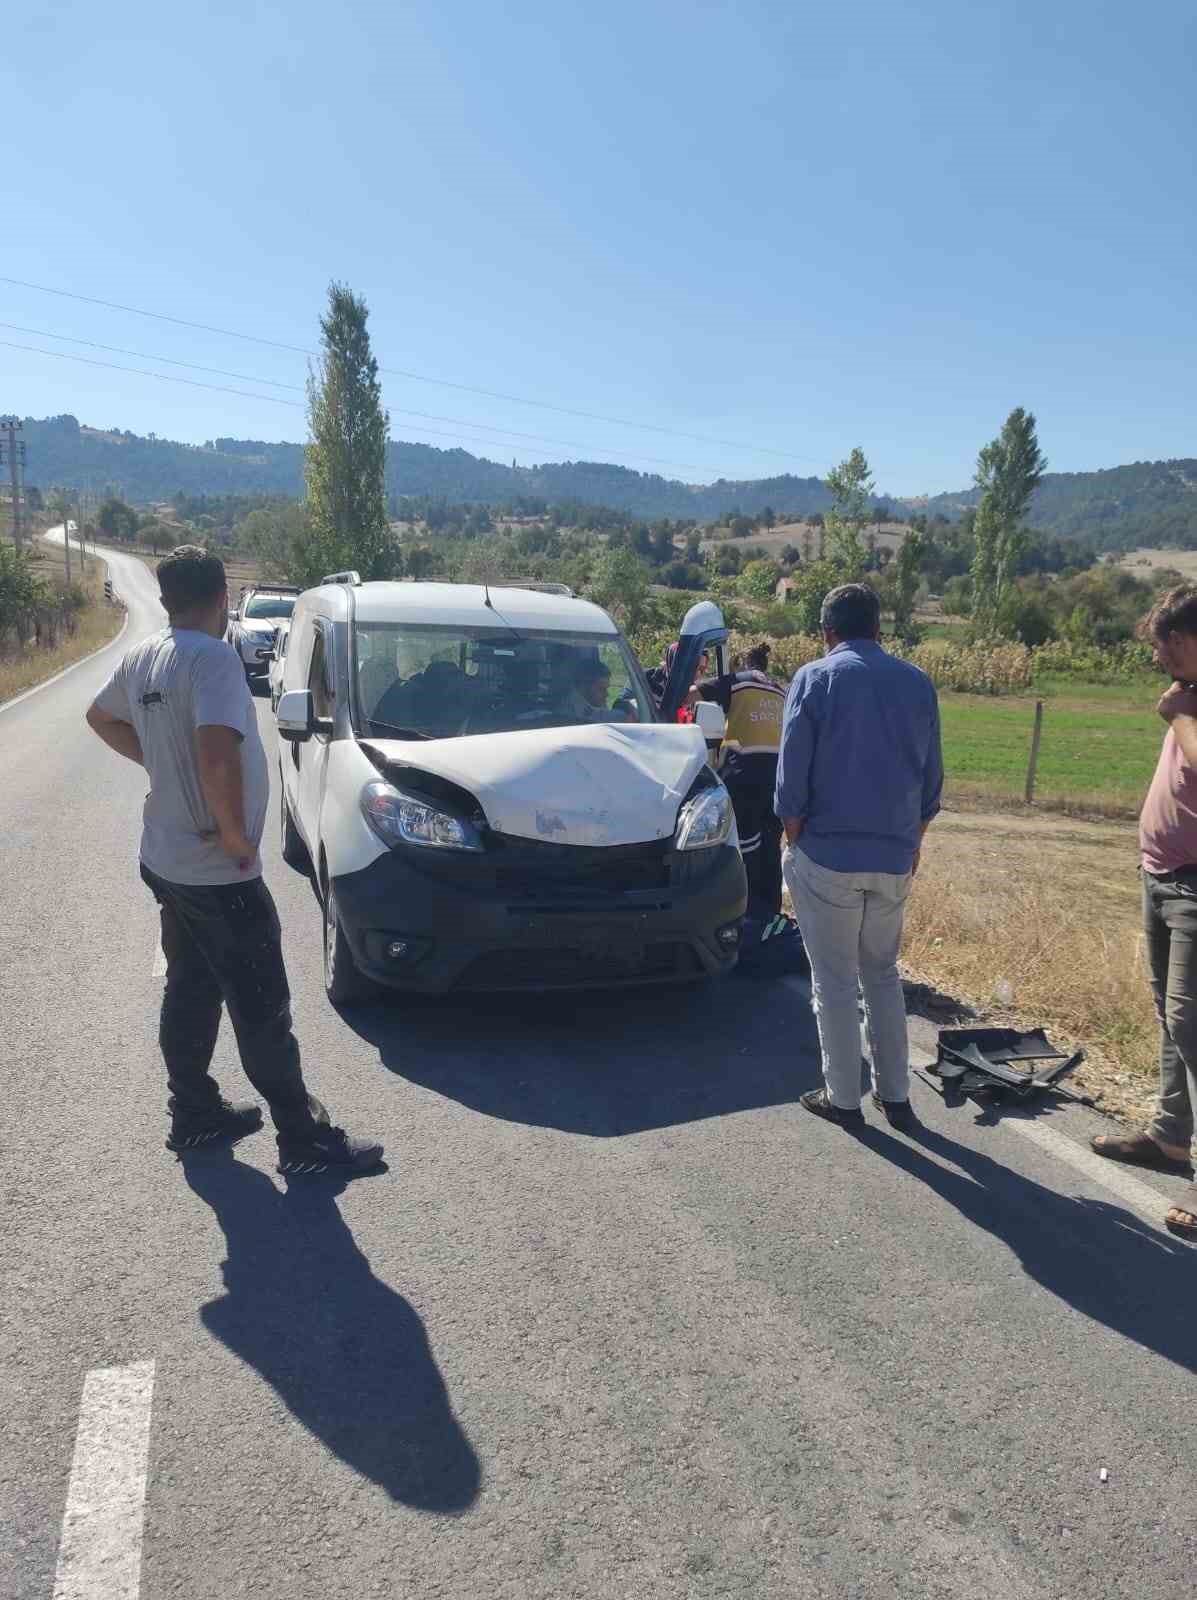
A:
345, 465
851, 485
1009, 470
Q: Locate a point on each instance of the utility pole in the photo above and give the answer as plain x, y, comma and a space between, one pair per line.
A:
11, 426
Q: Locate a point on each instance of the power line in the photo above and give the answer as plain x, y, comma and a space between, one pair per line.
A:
400, 372
428, 416
143, 355
271, 399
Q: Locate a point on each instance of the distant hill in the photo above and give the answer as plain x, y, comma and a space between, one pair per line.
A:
62, 452
1150, 503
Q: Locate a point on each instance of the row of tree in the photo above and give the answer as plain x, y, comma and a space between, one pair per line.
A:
989, 564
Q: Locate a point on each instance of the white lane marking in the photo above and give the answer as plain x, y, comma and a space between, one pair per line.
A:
100, 1554
159, 963
1142, 1199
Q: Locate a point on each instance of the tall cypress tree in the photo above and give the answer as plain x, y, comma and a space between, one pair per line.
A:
345, 467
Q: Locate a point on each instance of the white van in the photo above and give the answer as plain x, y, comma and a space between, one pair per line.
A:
484, 789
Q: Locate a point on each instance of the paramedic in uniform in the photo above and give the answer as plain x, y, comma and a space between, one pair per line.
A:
753, 705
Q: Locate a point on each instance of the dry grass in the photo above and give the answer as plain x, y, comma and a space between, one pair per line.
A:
99, 623
240, 570
1051, 906
774, 540
1146, 563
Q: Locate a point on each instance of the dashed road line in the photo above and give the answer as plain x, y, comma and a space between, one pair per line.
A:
159, 968
99, 1557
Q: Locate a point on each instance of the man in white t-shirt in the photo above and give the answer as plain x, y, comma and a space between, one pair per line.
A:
179, 706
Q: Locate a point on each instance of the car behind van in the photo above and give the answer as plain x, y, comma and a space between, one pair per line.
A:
481, 783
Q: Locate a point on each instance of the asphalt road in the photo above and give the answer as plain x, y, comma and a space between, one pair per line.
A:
620, 1320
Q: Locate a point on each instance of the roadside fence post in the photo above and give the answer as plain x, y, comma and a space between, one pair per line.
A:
1034, 761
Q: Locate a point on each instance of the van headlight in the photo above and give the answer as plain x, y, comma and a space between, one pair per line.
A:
706, 820
399, 818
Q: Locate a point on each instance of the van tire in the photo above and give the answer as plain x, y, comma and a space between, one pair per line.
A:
295, 852
343, 983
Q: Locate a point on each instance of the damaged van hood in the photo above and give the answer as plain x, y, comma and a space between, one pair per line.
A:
602, 784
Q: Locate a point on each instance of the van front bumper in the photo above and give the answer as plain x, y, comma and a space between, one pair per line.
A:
413, 929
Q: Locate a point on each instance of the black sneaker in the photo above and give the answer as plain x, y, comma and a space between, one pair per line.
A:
821, 1103
228, 1120
899, 1114
326, 1149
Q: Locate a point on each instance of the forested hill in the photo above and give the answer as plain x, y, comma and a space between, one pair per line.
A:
61, 452
1149, 502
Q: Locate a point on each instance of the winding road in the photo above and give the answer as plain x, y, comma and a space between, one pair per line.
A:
620, 1319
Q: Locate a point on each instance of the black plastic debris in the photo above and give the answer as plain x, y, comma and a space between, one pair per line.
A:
1000, 1063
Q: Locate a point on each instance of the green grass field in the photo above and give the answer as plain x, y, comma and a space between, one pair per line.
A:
1099, 746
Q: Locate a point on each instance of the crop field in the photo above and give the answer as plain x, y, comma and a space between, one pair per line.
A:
1097, 753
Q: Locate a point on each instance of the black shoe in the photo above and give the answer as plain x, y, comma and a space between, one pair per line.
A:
190, 1129
326, 1149
899, 1114
821, 1103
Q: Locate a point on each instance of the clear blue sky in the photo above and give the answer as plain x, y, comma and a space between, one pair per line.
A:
795, 226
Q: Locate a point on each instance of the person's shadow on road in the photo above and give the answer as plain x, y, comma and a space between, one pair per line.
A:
1096, 1257
344, 1351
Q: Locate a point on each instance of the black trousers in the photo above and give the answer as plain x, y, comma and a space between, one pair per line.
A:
751, 783
223, 945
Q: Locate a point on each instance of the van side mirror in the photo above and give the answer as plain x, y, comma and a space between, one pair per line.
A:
296, 716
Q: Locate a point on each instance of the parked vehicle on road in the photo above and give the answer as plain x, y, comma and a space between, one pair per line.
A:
257, 617
274, 667
488, 799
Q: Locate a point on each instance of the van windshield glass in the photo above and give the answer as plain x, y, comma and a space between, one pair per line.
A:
443, 682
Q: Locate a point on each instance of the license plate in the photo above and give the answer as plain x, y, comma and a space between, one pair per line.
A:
608, 952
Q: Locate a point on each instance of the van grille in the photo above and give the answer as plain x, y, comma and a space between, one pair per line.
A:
526, 870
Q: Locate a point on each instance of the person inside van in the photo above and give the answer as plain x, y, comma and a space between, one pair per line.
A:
590, 698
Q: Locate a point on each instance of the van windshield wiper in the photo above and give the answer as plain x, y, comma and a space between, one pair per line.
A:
400, 733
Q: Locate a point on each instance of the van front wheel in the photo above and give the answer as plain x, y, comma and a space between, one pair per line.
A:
343, 983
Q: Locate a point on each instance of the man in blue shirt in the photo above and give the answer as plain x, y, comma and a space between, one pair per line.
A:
859, 779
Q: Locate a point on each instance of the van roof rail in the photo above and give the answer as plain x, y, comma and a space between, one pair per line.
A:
532, 583
354, 579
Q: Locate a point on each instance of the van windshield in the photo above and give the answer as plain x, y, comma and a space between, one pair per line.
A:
446, 682
270, 605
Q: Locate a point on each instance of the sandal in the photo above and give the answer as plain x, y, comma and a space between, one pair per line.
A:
1187, 1207
1138, 1150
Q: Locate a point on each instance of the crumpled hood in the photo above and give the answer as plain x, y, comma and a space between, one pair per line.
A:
603, 784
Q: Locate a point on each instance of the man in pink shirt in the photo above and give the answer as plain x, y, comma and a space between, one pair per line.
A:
1168, 856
